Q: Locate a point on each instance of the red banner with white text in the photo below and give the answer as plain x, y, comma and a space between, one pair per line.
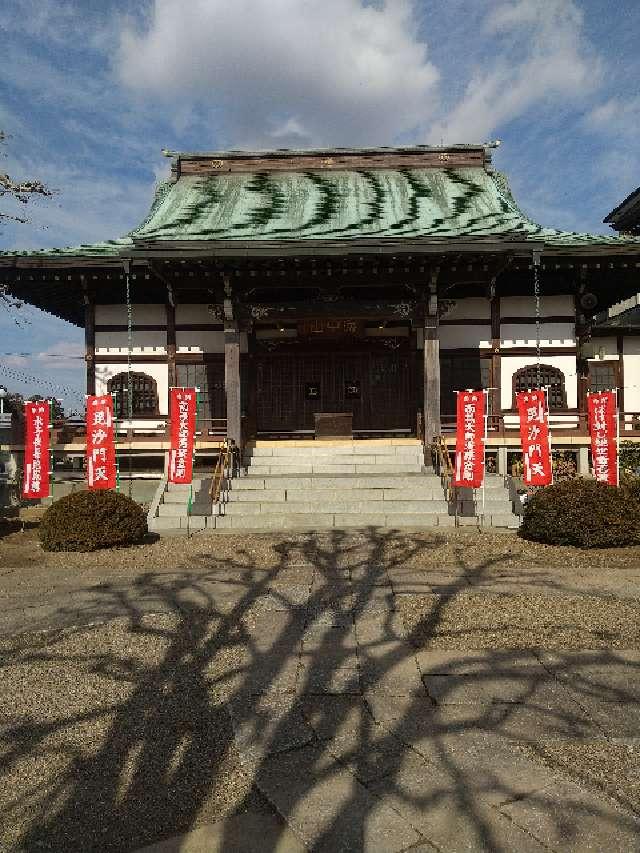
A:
470, 429
101, 449
36, 450
182, 412
603, 427
534, 436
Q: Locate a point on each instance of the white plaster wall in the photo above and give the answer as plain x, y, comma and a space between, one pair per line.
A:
112, 315
551, 334
144, 343
509, 364
601, 348
453, 337
631, 367
159, 372
525, 306
205, 341
197, 341
194, 314
470, 308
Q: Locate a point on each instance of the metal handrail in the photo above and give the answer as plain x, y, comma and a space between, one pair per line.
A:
445, 467
223, 464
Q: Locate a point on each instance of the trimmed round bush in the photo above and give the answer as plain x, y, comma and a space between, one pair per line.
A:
582, 513
86, 521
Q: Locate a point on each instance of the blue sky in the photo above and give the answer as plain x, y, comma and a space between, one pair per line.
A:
91, 91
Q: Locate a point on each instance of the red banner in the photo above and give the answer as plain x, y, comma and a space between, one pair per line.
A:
36, 450
469, 468
603, 427
182, 412
534, 436
101, 450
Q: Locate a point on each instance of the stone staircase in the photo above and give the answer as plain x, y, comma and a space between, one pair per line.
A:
335, 485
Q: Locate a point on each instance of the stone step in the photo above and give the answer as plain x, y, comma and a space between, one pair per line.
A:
176, 497
338, 506
365, 449
321, 521
503, 519
197, 485
301, 468
503, 505
320, 495
172, 510
318, 481
314, 460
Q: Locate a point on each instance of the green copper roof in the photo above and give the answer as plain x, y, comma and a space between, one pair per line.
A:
314, 205
430, 203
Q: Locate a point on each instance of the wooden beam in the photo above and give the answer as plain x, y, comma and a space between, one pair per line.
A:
89, 338
171, 344
232, 381
432, 425
496, 366
620, 347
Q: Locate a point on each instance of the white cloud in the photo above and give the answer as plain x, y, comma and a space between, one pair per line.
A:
616, 116
541, 54
336, 72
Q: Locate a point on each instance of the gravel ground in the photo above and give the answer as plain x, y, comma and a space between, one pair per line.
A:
613, 767
113, 737
503, 621
116, 734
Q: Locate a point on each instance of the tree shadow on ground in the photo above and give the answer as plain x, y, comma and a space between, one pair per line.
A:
301, 684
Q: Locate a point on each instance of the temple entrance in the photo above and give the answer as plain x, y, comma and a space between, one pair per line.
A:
375, 382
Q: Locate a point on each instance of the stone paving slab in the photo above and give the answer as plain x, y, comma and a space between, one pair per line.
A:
567, 818
267, 725
318, 677
334, 716
446, 811
480, 662
483, 688
243, 833
329, 808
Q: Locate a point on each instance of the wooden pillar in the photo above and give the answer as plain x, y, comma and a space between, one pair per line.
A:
582, 365
90, 339
432, 365
252, 387
232, 381
620, 347
496, 367
171, 344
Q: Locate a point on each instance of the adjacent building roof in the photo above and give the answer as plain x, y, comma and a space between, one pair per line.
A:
426, 194
626, 216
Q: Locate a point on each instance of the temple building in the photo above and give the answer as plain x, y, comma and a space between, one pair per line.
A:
368, 283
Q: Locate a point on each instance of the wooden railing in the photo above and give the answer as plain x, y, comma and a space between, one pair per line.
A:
563, 424
155, 428
445, 467
224, 467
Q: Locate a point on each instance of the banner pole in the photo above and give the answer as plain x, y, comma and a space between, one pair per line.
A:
617, 440
50, 448
115, 442
546, 404
484, 449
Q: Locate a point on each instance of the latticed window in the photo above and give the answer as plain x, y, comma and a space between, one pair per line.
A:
144, 394
550, 377
603, 375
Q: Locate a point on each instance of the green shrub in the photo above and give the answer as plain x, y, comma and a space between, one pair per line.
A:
631, 484
629, 456
86, 521
583, 513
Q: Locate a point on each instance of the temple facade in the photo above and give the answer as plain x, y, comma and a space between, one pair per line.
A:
369, 283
